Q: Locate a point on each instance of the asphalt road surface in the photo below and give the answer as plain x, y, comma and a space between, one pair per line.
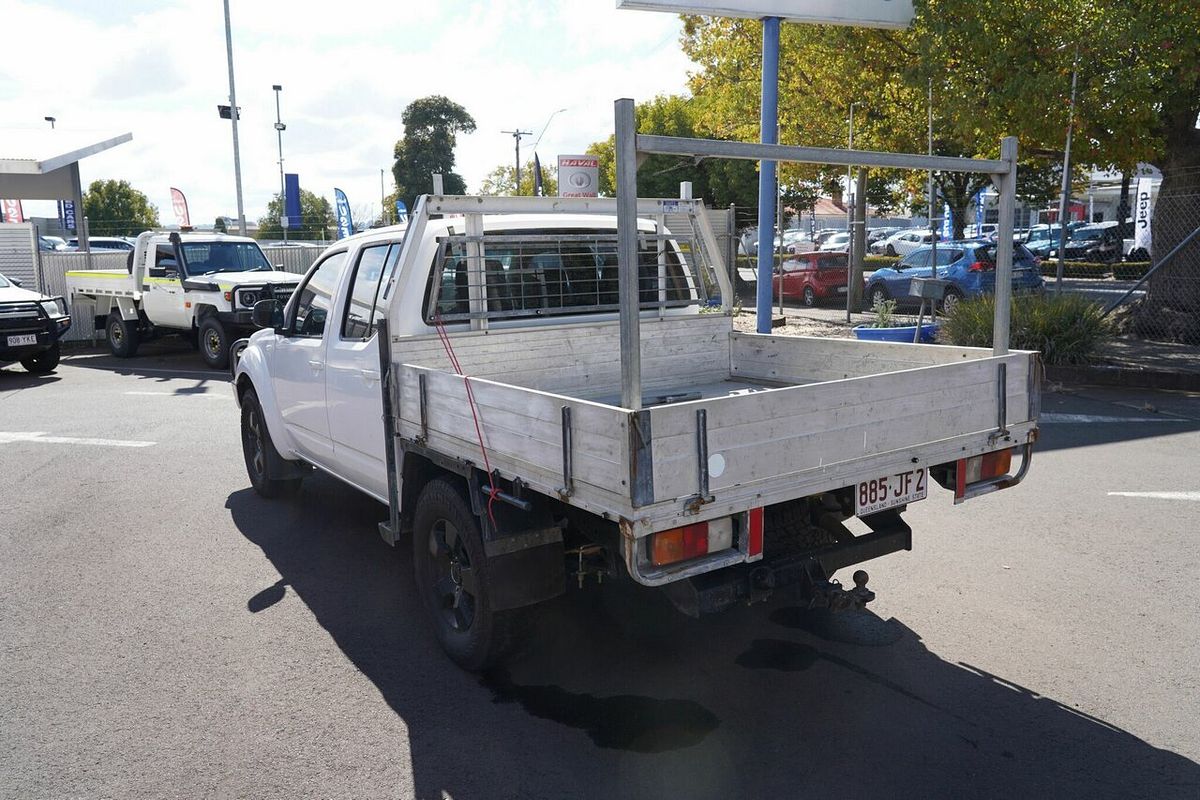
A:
165, 632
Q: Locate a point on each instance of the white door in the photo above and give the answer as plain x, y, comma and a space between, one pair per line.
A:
162, 291
298, 363
352, 374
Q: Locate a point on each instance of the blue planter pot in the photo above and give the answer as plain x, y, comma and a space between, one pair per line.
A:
901, 334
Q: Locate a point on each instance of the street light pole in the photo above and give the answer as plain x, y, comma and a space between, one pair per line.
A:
279, 129
233, 117
51, 120
1066, 178
517, 134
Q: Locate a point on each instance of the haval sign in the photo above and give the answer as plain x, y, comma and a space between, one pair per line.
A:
860, 13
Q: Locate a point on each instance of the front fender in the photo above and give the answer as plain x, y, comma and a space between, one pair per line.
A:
253, 370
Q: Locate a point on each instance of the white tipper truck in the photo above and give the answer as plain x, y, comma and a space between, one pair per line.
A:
202, 285
467, 371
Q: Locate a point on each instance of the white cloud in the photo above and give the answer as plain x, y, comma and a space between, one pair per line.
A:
158, 69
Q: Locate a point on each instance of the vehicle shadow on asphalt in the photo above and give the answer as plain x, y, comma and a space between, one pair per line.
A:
13, 379
161, 360
617, 695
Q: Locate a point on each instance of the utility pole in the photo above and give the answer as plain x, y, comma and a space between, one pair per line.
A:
517, 134
932, 190
1066, 179
233, 117
383, 213
279, 129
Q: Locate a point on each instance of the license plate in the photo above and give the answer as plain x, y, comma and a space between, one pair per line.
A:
17, 341
841, 290
887, 491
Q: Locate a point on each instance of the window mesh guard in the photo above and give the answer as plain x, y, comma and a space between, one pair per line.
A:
515, 275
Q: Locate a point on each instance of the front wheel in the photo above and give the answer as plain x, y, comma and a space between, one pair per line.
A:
452, 578
122, 335
43, 362
214, 343
259, 451
891, 251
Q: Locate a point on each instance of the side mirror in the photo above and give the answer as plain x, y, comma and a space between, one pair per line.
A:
14, 281
267, 314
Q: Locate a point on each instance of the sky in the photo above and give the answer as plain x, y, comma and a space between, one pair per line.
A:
158, 69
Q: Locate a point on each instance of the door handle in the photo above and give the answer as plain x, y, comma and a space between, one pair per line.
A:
370, 375
316, 365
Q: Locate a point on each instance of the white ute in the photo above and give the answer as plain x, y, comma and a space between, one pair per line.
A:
467, 371
201, 285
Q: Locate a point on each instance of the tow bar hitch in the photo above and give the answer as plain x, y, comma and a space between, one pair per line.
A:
831, 595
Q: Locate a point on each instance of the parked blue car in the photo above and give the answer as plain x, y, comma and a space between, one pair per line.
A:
970, 266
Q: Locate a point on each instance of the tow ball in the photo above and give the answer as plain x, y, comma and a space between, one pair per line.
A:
831, 595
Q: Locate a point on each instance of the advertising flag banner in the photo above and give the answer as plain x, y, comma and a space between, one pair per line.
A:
179, 204
947, 222
291, 200
537, 177
401, 212
10, 211
345, 225
578, 176
979, 213
1143, 212
66, 214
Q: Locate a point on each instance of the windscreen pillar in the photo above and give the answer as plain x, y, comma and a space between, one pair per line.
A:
769, 134
627, 256
1006, 184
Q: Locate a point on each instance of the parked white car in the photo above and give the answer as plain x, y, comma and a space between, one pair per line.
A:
902, 243
836, 243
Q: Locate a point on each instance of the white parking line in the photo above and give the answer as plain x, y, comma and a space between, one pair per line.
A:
1077, 418
1193, 496
8, 437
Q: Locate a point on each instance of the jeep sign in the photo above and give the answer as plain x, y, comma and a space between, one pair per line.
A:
860, 13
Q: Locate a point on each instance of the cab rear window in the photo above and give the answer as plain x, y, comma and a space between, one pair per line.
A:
550, 272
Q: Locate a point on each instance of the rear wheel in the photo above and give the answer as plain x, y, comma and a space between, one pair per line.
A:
214, 343
259, 451
452, 579
122, 336
810, 297
878, 295
951, 300
43, 362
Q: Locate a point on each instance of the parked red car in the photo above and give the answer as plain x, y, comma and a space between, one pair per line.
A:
812, 277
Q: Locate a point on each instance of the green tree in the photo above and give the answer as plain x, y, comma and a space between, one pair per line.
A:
996, 68
719, 182
114, 208
502, 180
431, 125
316, 217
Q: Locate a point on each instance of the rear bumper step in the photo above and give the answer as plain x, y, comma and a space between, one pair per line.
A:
809, 572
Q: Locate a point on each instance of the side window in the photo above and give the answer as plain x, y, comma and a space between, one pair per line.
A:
916, 259
314, 297
945, 257
358, 322
164, 256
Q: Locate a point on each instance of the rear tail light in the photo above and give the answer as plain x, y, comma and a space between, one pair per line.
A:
982, 468
982, 266
691, 541
754, 542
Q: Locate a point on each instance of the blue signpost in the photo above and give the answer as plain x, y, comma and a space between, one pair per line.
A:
769, 134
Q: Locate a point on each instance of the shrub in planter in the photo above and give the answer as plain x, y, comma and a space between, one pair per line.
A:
1066, 329
1077, 269
876, 262
1131, 271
